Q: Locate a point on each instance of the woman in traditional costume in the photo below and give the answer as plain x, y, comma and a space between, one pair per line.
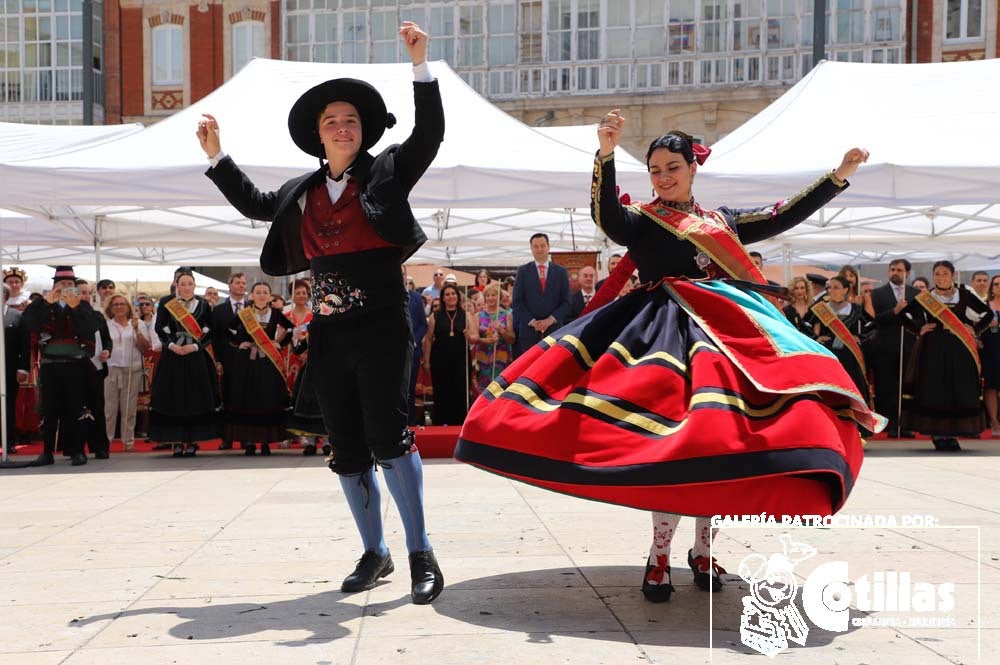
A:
259, 395
690, 395
839, 325
941, 387
185, 395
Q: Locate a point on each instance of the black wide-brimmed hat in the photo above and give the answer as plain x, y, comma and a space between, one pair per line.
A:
63, 272
303, 119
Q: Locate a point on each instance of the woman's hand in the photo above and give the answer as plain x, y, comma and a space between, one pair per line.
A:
415, 40
853, 158
208, 135
609, 132
927, 327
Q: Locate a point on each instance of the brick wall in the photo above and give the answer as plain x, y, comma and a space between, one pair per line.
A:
132, 63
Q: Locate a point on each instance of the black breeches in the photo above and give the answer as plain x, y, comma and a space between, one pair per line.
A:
360, 372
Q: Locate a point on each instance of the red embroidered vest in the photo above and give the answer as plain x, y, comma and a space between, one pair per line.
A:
336, 228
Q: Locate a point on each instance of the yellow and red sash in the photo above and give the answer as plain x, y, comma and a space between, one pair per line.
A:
829, 318
710, 234
951, 322
263, 342
190, 324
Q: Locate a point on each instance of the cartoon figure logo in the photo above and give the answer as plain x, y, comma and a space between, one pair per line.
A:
770, 618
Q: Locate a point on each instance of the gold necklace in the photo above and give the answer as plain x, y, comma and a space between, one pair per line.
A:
451, 322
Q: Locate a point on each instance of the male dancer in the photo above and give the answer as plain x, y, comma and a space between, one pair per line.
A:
350, 223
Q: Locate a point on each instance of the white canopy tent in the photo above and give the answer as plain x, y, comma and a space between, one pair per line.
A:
142, 196
931, 188
148, 190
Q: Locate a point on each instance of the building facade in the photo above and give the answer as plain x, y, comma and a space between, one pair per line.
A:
704, 66
41, 61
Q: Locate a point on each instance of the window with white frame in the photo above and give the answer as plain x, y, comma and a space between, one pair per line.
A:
964, 19
471, 36
850, 22
886, 18
782, 24
560, 30
588, 30
355, 36
681, 27
501, 21
530, 32
650, 40
746, 25
168, 55
713, 26
618, 32
248, 42
385, 36
441, 23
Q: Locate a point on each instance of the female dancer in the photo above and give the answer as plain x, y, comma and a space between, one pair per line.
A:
686, 396
185, 394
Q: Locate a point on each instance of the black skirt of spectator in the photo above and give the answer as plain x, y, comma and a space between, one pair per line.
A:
185, 399
449, 368
258, 396
941, 390
989, 355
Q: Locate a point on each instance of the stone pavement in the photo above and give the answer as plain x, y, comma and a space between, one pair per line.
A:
223, 559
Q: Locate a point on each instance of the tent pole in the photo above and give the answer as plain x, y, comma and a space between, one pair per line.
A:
786, 263
3, 376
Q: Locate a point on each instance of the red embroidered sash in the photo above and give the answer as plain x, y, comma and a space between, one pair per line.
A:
710, 234
190, 324
263, 342
951, 322
829, 318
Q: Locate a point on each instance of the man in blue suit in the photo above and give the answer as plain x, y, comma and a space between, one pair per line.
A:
540, 298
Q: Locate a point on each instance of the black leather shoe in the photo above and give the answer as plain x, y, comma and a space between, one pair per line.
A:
370, 569
946, 444
425, 577
706, 573
103, 454
656, 593
44, 460
78, 460
327, 449
226, 445
265, 449
309, 450
249, 450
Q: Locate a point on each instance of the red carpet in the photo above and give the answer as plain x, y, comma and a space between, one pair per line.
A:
432, 442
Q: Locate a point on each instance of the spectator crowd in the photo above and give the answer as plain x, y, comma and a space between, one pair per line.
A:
86, 364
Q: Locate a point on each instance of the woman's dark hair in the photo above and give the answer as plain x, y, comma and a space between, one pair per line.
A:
944, 264
927, 282
840, 280
482, 271
300, 283
849, 269
674, 141
453, 288
256, 284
